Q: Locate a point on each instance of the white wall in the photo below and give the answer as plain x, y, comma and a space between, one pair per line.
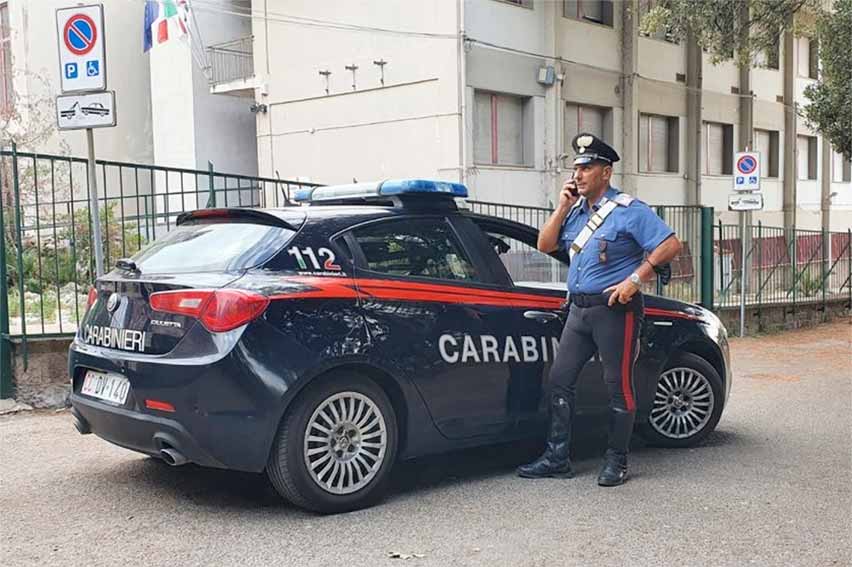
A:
409, 127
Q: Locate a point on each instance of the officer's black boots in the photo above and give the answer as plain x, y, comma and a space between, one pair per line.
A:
556, 461
614, 469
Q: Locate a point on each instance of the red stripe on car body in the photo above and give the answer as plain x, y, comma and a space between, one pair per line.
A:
370, 288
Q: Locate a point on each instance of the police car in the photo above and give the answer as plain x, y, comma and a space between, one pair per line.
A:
380, 322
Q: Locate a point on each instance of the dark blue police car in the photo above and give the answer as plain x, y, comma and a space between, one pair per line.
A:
323, 343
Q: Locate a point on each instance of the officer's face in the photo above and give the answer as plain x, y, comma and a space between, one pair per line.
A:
592, 178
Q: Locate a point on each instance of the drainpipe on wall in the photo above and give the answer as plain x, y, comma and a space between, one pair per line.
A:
789, 130
461, 72
694, 84
630, 95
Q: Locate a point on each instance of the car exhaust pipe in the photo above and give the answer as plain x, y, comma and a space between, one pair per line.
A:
80, 424
173, 457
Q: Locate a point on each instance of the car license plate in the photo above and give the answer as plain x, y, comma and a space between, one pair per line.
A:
109, 387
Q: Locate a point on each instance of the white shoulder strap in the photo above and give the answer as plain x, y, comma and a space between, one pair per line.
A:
595, 221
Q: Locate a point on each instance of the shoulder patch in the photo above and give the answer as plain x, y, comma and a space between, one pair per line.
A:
624, 199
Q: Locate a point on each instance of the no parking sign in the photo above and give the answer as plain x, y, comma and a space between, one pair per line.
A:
747, 171
80, 34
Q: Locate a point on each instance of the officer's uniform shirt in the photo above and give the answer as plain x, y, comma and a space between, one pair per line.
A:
616, 249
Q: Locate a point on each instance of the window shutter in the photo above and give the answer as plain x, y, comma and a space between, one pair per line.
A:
482, 128
591, 10
659, 143
571, 9
592, 121
812, 157
802, 157
836, 167
510, 130
572, 125
715, 149
644, 143
804, 57
762, 143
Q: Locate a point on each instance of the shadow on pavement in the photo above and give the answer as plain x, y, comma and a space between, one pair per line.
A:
250, 491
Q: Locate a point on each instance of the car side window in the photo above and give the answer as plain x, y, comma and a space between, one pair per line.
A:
525, 264
426, 248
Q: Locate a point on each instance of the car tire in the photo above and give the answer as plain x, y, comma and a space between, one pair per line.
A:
687, 405
336, 445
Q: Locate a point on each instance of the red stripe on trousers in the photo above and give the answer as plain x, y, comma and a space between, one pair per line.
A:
627, 362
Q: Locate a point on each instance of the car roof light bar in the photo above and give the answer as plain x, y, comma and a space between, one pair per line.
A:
379, 189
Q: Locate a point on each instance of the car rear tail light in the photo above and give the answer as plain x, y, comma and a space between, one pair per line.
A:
218, 310
93, 296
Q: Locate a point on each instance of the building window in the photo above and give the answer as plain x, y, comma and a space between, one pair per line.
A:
806, 159
499, 132
770, 58
841, 168
592, 119
597, 11
717, 149
659, 143
766, 142
521, 3
808, 58
6, 93
664, 33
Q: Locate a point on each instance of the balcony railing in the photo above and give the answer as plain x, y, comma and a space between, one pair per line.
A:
231, 61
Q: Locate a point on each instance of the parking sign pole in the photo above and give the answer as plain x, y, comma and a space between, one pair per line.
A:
93, 205
743, 275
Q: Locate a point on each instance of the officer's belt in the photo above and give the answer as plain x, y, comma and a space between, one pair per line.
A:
595, 221
589, 299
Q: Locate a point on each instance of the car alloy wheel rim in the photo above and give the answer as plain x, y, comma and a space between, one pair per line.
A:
345, 443
683, 403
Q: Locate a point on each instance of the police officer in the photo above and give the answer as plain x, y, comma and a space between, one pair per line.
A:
615, 242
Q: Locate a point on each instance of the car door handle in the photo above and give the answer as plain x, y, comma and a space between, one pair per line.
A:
543, 316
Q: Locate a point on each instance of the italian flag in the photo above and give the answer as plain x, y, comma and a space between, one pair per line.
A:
165, 20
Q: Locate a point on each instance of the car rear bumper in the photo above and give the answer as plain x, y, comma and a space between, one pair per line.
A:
224, 409
144, 433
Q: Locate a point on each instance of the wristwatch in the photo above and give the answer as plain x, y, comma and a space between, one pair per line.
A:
634, 277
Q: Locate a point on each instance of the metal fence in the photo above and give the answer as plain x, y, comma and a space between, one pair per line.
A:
783, 266
231, 60
46, 254
691, 279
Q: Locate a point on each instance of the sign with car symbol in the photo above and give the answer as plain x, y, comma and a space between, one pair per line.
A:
93, 110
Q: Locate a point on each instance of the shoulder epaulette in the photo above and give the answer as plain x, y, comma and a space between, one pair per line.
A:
623, 199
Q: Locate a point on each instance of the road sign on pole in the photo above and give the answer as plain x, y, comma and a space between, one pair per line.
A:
747, 171
90, 110
82, 57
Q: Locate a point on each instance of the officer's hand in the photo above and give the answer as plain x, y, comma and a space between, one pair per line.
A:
569, 194
622, 292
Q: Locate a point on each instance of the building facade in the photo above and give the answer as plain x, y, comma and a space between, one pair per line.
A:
490, 92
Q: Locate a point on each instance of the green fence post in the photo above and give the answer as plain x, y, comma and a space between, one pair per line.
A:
823, 274
707, 257
211, 199
5, 345
20, 252
758, 283
794, 262
661, 214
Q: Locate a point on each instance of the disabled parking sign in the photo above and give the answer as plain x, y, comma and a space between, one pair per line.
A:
747, 171
80, 37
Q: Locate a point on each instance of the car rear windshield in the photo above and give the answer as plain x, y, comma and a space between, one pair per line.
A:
212, 246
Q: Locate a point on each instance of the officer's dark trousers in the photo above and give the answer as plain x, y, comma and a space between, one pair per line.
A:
613, 332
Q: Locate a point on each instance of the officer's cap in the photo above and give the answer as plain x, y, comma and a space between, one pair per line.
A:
589, 148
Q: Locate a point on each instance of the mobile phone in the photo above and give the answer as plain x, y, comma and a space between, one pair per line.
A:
572, 188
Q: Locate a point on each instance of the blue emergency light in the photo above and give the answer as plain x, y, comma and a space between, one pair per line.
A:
378, 189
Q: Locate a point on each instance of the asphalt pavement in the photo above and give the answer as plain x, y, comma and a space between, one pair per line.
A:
772, 486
